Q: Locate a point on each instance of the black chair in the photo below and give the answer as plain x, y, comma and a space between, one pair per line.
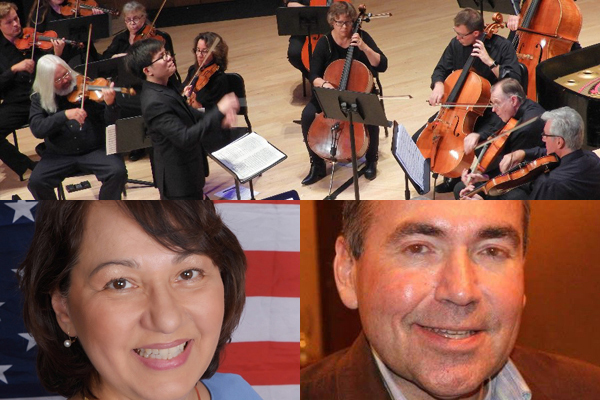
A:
380, 93
236, 84
524, 76
16, 143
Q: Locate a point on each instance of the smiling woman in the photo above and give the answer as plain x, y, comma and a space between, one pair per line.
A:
134, 300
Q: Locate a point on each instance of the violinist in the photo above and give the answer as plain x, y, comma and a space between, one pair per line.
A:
329, 48
297, 42
74, 136
577, 177
509, 101
176, 129
495, 59
16, 75
213, 84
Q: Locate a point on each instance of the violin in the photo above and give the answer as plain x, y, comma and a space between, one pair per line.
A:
548, 28
42, 41
93, 90
492, 149
442, 140
86, 8
519, 175
203, 77
148, 31
330, 138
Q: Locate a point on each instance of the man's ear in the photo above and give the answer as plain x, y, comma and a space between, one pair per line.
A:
63, 317
344, 269
146, 71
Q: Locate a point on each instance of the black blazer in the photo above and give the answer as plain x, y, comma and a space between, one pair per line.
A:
176, 130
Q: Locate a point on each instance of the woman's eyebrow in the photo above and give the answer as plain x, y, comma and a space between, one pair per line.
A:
124, 262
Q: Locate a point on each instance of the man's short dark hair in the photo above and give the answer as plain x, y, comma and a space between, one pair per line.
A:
140, 55
357, 216
469, 18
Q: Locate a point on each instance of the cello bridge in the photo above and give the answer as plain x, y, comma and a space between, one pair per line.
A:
524, 56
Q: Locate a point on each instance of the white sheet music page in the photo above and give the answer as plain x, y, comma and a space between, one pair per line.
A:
111, 139
249, 155
408, 154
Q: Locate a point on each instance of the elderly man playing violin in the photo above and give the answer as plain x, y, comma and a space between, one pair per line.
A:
16, 74
74, 136
577, 176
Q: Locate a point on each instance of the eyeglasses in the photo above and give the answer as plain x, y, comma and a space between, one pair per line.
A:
133, 20
462, 36
343, 23
166, 55
203, 52
59, 80
545, 135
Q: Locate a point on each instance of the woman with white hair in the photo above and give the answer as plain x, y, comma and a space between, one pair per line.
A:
74, 136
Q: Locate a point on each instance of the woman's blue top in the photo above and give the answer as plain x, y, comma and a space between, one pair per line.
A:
229, 387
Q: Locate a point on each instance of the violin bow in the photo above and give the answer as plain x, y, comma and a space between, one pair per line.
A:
210, 51
85, 71
158, 13
37, 14
524, 124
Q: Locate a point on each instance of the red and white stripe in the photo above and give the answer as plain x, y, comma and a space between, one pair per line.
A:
265, 349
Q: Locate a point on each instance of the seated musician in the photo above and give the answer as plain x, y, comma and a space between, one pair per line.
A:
331, 47
297, 41
74, 137
50, 11
176, 129
16, 75
494, 59
508, 101
577, 177
217, 86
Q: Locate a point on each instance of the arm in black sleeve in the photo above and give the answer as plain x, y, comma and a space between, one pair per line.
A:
320, 58
43, 124
536, 152
507, 59
444, 66
383, 63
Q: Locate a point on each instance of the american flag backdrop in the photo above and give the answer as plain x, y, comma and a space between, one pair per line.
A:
265, 348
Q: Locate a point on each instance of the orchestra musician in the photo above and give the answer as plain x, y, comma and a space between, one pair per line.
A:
74, 137
176, 129
508, 100
16, 75
577, 177
217, 85
329, 48
494, 59
297, 41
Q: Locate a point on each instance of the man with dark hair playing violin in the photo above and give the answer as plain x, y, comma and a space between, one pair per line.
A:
16, 75
577, 177
176, 129
74, 136
509, 101
495, 58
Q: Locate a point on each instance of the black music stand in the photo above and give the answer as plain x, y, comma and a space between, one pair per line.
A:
303, 21
130, 134
345, 105
501, 6
113, 68
78, 28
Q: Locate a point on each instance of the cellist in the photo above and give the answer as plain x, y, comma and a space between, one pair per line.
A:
495, 59
508, 100
331, 47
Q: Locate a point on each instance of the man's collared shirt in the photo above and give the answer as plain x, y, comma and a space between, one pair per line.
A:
508, 384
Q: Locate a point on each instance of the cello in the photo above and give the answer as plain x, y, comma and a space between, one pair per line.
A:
548, 28
329, 138
442, 140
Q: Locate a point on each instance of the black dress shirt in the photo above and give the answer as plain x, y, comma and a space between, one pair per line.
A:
214, 90
64, 136
14, 87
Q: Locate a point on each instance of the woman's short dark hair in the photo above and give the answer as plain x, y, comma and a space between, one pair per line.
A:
140, 55
340, 8
220, 52
185, 227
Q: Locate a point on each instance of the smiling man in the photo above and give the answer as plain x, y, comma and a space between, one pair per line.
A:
440, 293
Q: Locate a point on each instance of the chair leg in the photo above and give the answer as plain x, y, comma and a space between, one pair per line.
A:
303, 85
15, 140
385, 127
60, 192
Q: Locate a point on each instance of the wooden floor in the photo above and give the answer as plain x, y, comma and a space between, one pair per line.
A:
413, 40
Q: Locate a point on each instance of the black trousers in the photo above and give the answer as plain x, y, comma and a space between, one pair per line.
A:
13, 116
295, 53
308, 116
54, 168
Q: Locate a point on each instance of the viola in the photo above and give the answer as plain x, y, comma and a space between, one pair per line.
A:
491, 150
148, 31
442, 140
42, 41
93, 90
330, 138
519, 175
548, 28
311, 41
86, 8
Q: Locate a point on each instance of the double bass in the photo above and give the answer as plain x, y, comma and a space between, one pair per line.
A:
442, 140
330, 138
548, 28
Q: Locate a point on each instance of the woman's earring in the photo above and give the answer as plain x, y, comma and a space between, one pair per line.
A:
69, 341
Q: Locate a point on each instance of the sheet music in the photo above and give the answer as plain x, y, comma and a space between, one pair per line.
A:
409, 156
249, 155
111, 139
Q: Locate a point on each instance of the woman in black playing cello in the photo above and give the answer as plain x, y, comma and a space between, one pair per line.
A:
331, 47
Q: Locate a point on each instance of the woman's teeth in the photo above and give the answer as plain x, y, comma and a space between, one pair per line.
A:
162, 354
